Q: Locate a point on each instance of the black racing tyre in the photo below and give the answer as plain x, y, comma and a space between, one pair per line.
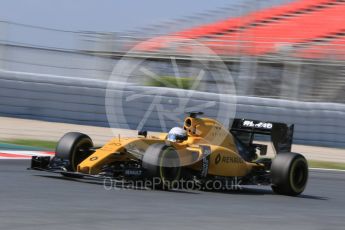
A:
69, 148
289, 172
162, 165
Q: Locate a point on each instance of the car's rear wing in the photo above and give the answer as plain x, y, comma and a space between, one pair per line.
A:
281, 134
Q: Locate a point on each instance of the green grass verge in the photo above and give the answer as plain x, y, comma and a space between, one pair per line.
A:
171, 82
326, 165
32, 143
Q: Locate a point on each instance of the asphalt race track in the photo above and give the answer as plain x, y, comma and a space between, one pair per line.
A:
37, 200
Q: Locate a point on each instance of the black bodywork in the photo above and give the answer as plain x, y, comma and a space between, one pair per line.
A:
246, 132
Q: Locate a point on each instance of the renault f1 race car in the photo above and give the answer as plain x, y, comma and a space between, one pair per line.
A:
202, 150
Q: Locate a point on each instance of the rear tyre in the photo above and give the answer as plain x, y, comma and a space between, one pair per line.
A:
289, 172
74, 147
162, 165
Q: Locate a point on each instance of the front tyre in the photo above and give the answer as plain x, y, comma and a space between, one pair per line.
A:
289, 172
162, 165
73, 147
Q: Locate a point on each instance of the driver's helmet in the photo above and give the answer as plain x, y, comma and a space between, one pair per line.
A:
177, 134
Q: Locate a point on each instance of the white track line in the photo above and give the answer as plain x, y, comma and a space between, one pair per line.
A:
15, 158
22, 154
324, 169
27, 153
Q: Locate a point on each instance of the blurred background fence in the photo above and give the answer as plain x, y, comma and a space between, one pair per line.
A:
283, 68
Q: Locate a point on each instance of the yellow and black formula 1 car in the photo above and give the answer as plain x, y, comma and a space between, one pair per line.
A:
201, 150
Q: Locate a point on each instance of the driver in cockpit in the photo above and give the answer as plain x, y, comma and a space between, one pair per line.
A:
177, 134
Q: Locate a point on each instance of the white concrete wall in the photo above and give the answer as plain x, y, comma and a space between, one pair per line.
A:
82, 101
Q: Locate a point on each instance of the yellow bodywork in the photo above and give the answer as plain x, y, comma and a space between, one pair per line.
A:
223, 159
